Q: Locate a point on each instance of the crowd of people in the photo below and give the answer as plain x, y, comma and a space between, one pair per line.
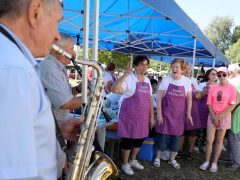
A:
37, 99
178, 108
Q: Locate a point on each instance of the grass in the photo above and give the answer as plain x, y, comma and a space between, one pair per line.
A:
189, 171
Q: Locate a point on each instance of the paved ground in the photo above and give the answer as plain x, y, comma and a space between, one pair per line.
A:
188, 171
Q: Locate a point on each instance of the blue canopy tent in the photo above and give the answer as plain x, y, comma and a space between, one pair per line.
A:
159, 29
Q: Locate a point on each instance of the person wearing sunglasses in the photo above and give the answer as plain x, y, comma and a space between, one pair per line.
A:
222, 99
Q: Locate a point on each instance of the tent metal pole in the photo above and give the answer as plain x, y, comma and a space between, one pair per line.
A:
76, 72
131, 62
194, 54
95, 39
214, 62
85, 49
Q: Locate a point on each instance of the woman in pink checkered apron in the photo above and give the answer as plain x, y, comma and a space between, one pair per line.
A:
210, 79
173, 93
136, 112
191, 131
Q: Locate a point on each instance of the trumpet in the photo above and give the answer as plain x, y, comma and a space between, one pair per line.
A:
80, 167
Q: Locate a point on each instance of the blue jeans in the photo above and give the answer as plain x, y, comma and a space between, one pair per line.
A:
165, 142
234, 142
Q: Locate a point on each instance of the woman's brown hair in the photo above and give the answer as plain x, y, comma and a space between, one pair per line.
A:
111, 66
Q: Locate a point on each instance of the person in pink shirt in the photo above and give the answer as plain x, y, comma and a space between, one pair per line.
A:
222, 99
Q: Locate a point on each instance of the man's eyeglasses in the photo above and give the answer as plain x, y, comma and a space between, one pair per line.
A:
222, 75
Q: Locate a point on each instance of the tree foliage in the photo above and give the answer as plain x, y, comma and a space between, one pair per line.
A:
159, 66
236, 34
233, 52
121, 60
219, 32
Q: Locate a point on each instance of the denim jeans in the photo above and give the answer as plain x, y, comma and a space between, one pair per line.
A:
234, 142
165, 142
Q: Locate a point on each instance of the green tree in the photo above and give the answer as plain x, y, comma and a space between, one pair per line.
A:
154, 65
121, 60
233, 52
219, 32
159, 66
236, 34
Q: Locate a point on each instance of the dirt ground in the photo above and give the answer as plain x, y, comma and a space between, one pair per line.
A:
188, 171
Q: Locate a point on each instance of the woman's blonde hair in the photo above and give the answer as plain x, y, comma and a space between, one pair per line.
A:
181, 61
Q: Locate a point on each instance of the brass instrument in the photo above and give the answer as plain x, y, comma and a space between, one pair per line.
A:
103, 167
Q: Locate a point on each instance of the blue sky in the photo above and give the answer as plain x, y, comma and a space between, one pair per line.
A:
202, 11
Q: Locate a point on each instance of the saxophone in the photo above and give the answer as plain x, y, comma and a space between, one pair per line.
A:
80, 168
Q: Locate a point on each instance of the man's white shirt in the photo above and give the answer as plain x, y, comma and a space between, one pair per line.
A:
27, 130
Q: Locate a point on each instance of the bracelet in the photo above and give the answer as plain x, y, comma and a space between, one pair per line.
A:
77, 89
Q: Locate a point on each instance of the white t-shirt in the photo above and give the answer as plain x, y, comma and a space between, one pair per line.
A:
107, 77
27, 129
129, 86
195, 83
184, 81
154, 97
202, 86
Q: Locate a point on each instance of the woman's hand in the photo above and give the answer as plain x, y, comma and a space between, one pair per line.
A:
117, 86
151, 123
216, 119
127, 72
189, 119
198, 95
160, 120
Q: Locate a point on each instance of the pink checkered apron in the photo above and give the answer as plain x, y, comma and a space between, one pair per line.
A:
195, 114
203, 111
134, 113
173, 111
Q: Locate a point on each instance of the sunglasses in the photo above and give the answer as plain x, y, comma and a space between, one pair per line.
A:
222, 75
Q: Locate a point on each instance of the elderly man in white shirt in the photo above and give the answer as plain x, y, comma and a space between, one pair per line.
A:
28, 143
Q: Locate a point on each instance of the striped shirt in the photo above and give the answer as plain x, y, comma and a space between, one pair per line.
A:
55, 81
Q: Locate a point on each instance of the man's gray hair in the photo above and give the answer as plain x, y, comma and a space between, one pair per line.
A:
234, 68
189, 64
64, 40
15, 8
